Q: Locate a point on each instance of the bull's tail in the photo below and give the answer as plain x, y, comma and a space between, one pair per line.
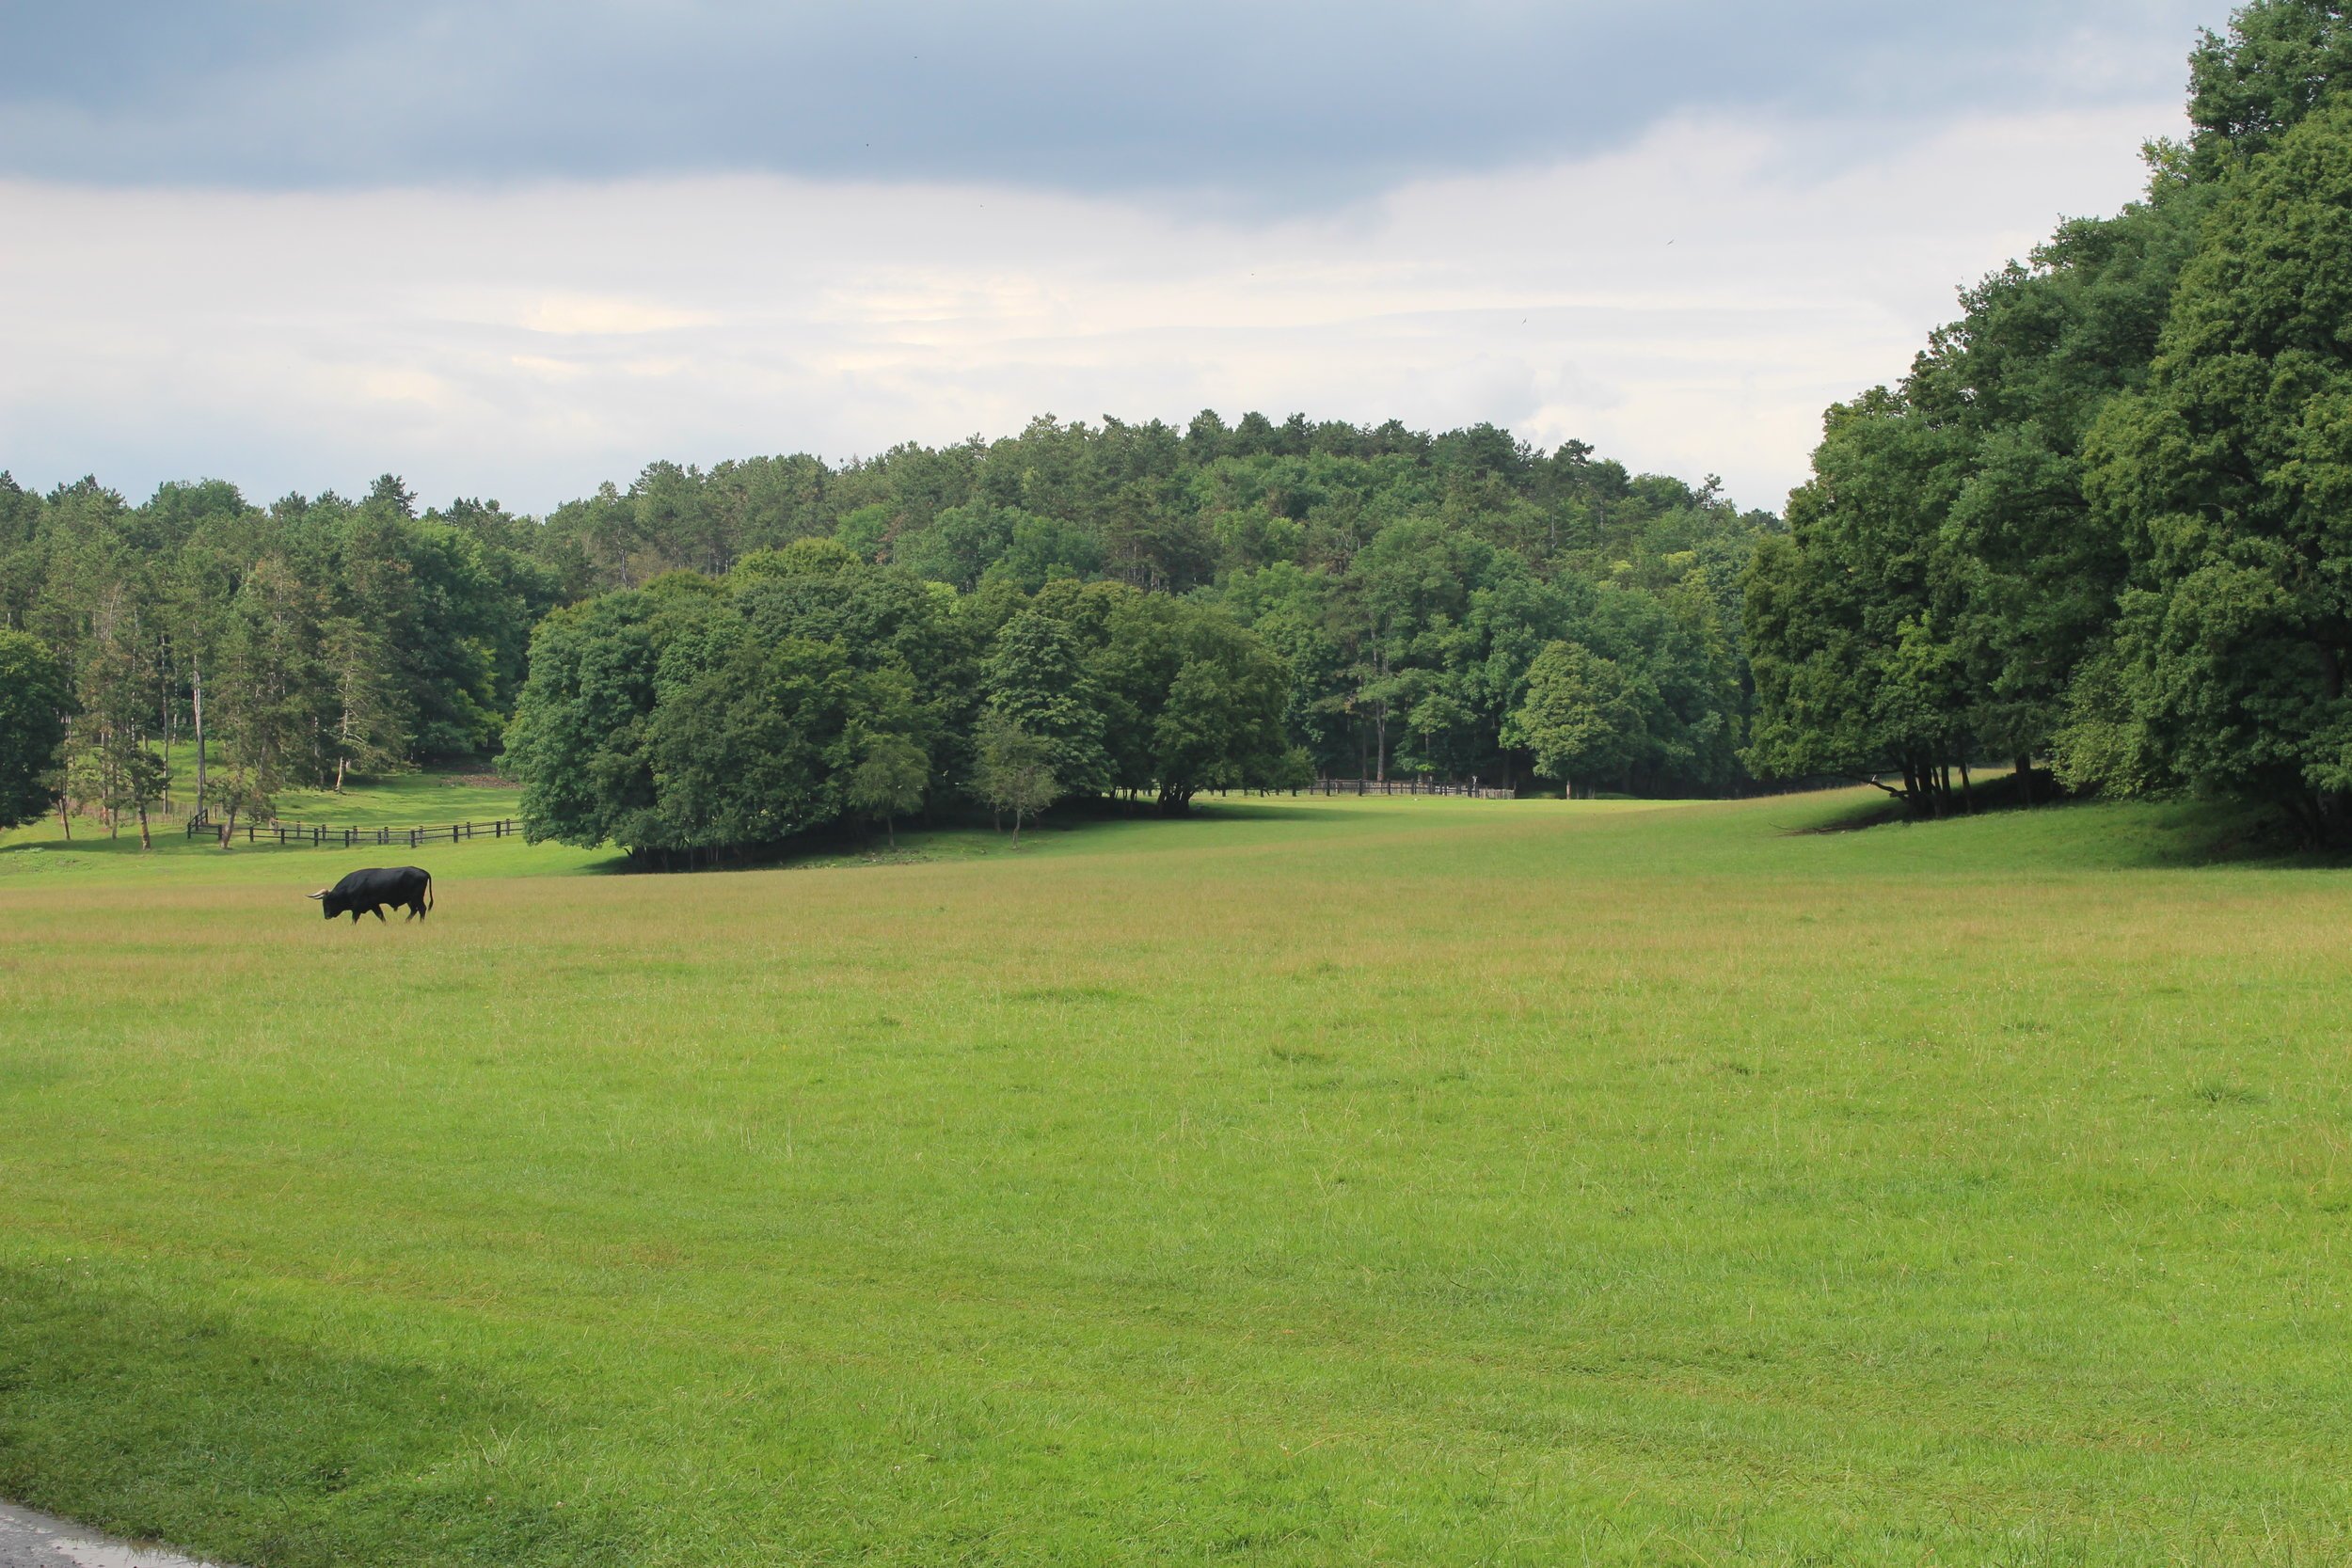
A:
428, 891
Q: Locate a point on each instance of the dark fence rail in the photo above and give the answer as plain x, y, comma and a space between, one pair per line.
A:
1408, 786
315, 836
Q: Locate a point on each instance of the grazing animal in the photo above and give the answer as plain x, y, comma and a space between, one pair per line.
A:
370, 890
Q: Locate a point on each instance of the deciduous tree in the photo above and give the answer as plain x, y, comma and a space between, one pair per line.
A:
890, 782
34, 703
1013, 773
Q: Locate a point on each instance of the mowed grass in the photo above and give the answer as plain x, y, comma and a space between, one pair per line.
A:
1314, 1182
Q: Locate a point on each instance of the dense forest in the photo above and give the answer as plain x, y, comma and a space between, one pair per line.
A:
2096, 535
2103, 519
1457, 605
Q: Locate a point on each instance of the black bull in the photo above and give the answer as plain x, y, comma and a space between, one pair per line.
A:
368, 890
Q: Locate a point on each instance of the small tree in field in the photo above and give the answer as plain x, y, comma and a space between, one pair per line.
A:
1583, 715
121, 777
890, 782
82, 782
369, 735
238, 793
139, 782
1013, 775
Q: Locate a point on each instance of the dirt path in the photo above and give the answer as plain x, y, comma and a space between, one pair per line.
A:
30, 1539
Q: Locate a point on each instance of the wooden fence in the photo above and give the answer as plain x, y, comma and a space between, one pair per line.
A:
314, 836
1408, 786
317, 836
90, 810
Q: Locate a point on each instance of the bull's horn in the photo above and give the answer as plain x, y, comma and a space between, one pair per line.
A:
320, 894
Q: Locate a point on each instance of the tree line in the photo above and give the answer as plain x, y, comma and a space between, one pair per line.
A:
697, 718
2101, 523
1410, 580
2093, 532
205, 646
1457, 605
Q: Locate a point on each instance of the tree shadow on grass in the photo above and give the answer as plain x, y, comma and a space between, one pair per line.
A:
2178, 833
59, 854
953, 840
122, 1409
1249, 811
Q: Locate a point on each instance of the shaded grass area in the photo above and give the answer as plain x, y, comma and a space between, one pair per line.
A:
1355, 1180
2180, 832
154, 1404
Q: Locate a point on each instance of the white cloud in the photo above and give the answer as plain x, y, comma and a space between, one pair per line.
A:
585, 315
1687, 304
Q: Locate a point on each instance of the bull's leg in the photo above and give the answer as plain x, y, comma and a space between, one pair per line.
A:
377, 910
355, 917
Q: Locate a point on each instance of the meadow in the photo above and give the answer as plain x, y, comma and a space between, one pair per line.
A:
1316, 1182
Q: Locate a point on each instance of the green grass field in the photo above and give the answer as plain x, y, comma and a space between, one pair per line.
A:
1313, 1182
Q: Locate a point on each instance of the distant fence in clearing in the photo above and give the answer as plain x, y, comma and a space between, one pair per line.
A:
314, 836
1471, 791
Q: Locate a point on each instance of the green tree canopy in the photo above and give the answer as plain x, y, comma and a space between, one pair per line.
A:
34, 703
890, 781
2279, 61
1013, 771
1583, 715
1038, 681
2230, 479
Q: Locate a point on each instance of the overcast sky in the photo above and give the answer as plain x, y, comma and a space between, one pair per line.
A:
512, 250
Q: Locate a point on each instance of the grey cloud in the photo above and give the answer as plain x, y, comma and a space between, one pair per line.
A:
526, 342
1271, 104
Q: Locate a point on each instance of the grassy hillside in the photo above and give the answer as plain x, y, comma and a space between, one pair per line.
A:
1318, 1182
